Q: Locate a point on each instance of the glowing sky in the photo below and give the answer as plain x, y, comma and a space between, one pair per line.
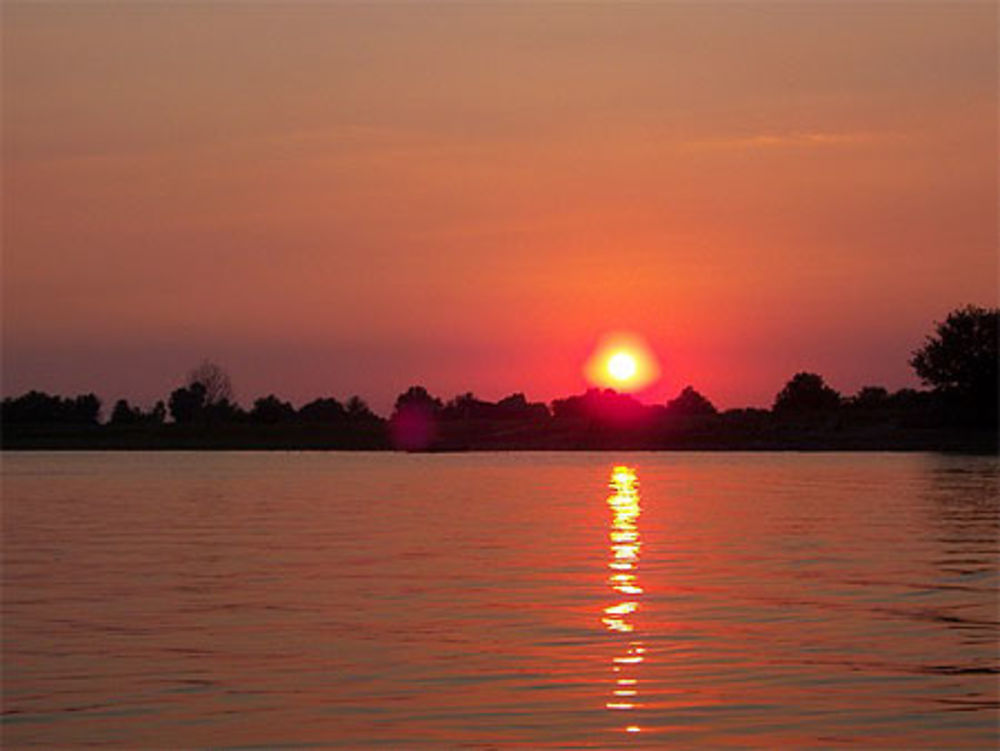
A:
331, 199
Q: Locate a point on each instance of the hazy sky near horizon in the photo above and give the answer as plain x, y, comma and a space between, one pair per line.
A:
333, 198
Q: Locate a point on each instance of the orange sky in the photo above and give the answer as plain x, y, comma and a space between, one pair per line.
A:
336, 199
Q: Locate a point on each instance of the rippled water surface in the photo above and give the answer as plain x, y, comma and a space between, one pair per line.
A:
285, 600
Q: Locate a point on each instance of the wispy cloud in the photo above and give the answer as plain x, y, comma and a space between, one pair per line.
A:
798, 139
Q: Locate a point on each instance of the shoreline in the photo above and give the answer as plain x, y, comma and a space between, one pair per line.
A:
983, 442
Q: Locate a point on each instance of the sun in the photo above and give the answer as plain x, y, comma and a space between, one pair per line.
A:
622, 361
622, 366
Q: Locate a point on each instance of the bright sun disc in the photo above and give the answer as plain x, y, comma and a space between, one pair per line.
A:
623, 362
621, 366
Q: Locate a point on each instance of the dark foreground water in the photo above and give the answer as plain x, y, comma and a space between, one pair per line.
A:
283, 600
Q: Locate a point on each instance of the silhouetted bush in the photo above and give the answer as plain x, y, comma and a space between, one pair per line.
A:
39, 408
516, 406
419, 397
805, 393
224, 411
870, 398
270, 410
690, 403
466, 407
323, 411
124, 414
413, 425
86, 409
605, 405
358, 411
158, 414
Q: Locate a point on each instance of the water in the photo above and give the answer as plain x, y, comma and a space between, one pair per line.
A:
284, 600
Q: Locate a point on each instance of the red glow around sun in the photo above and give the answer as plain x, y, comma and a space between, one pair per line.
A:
623, 362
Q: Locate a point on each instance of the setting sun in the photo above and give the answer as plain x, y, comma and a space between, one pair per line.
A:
621, 366
623, 362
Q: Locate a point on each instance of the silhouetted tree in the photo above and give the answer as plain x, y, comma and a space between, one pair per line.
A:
218, 387
805, 393
34, 407
187, 404
270, 410
961, 356
359, 411
870, 398
516, 406
37, 407
158, 414
413, 425
224, 411
467, 407
323, 411
908, 398
690, 403
124, 414
207, 397
87, 409
605, 405
419, 397
514, 403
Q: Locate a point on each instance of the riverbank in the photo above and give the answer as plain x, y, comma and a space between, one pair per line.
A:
550, 435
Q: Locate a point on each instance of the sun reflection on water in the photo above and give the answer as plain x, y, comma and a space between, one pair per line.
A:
625, 545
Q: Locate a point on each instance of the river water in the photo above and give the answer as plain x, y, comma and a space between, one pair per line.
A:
532, 600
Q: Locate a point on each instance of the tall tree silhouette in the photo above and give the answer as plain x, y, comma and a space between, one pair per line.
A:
216, 382
960, 357
187, 404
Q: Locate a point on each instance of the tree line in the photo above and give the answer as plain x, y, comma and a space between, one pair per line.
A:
958, 363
